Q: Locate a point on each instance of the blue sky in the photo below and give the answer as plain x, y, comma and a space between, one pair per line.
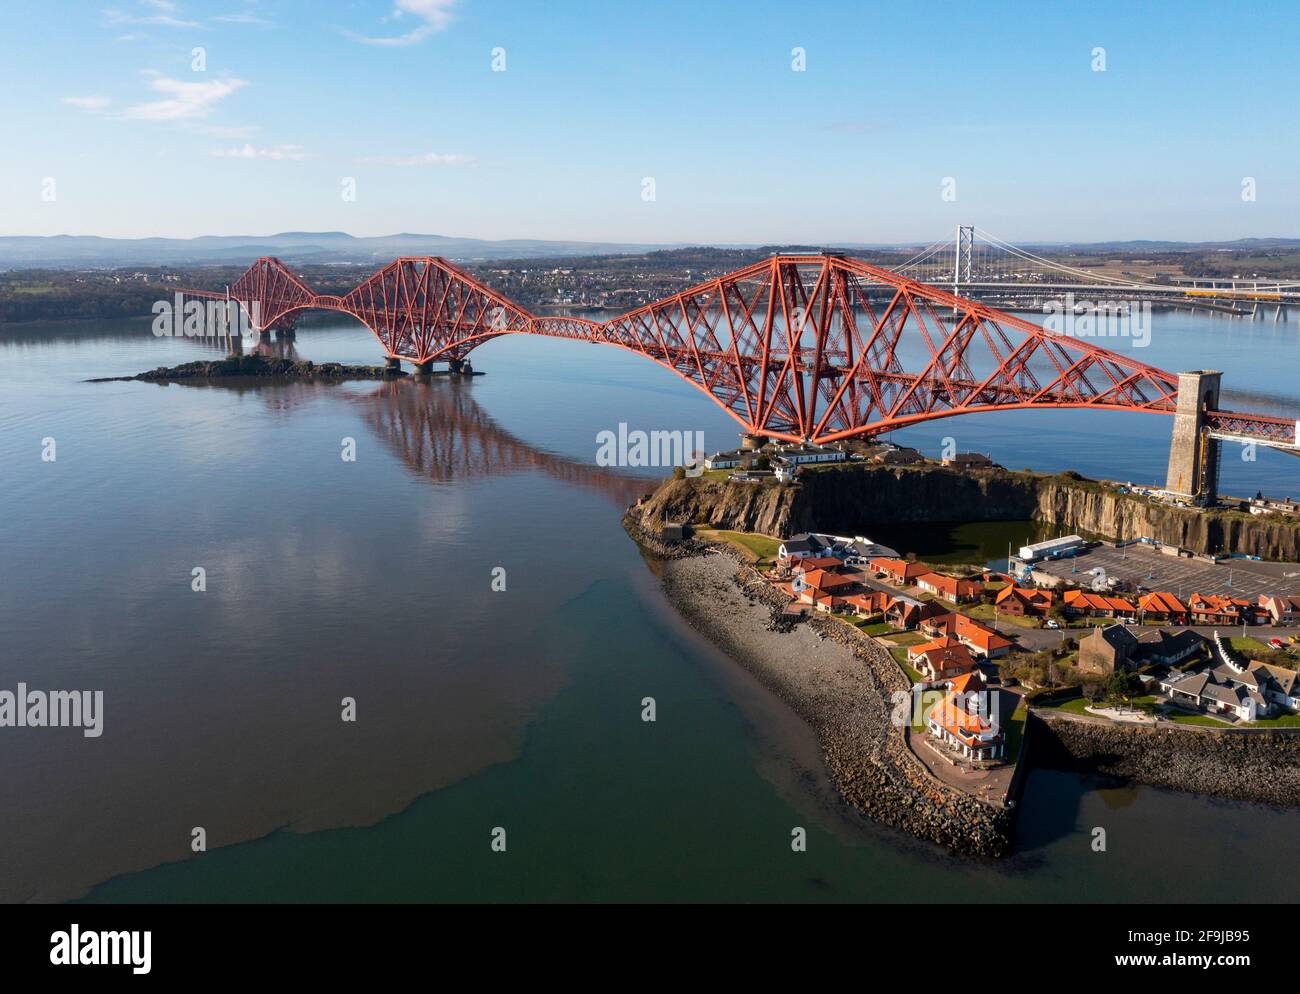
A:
294, 97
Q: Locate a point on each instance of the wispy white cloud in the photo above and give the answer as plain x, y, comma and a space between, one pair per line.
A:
242, 17
182, 99
433, 16
425, 159
278, 153
164, 17
88, 103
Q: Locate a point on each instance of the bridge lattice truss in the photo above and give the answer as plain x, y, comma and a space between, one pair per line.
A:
818, 348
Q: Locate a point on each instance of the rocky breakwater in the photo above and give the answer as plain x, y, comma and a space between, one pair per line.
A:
841, 684
1246, 765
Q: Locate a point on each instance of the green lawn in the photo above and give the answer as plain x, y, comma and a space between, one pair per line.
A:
908, 638
1015, 729
1195, 719
1246, 645
1281, 721
869, 627
900, 657
762, 547
1074, 705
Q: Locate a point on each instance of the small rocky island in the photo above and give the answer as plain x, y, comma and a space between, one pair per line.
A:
260, 367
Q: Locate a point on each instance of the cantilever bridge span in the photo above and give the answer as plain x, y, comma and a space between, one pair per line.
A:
814, 348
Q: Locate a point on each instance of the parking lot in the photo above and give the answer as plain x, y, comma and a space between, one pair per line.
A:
1144, 566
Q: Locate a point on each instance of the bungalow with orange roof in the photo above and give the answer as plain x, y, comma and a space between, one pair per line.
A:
941, 659
868, 604
1085, 603
823, 581
962, 721
983, 641
898, 571
817, 562
1211, 609
1021, 602
907, 612
1162, 607
959, 590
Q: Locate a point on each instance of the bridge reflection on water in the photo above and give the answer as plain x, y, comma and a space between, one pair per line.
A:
437, 428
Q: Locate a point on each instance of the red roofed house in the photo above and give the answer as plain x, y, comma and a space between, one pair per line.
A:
817, 562
1023, 602
899, 571
868, 603
907, 612
962, 721
1077, 603
942, 659
1162, 607
981, 640
950, 588
1211, 609
1281, 610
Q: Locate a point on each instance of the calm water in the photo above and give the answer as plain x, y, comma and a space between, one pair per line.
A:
476, 708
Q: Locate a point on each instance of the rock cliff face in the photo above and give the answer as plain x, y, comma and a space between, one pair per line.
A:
1261, 766
1103, 512
843, 501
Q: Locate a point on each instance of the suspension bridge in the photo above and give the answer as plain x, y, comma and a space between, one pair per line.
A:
798, 348
981, 266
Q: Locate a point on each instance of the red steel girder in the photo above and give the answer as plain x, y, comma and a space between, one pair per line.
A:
797, 347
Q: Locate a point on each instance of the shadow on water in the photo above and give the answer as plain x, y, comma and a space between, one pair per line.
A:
440, 432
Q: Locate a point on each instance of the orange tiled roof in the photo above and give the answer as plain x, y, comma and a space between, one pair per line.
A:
942, 642
951, 585
1162, 602
1087, 600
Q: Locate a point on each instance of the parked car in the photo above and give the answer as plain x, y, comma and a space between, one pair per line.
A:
1277, 643
1052, 623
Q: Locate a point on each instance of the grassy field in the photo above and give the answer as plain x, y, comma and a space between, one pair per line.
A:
908, 638
1247, 646
763, 548
1015, 729
1195, 719
900, 657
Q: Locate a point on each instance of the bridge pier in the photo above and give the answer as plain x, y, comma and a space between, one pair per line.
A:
393, 364
752, 443
1193, 455
422, 368
460, 367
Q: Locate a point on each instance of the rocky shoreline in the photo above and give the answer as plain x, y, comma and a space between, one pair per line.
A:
258, 367
840, 684
1262, 766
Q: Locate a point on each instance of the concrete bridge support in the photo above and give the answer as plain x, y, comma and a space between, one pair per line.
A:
1193, 455
393, 364
752, 443
422, 368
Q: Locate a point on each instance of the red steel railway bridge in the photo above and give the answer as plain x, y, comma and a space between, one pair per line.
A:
799, 348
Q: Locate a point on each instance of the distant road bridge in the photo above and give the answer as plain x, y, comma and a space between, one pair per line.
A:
977, 264
800, 348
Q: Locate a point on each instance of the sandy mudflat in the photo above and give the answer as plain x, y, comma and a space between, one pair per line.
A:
841, 686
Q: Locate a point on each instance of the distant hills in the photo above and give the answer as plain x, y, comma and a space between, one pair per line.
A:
298, 247
326, 247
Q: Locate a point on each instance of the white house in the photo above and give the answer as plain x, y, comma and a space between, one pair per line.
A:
797, 455
723, 460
